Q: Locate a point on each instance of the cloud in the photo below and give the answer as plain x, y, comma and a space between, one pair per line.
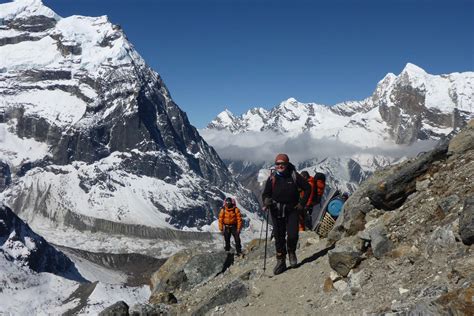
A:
264, 146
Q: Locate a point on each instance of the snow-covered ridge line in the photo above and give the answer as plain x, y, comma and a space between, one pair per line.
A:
413, 105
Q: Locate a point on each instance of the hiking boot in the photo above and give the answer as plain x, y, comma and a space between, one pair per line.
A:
293, 259
280, 266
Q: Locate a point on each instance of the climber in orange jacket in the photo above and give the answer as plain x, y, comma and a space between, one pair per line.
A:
230, 223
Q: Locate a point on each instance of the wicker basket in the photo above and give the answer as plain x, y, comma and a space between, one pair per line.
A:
327, 223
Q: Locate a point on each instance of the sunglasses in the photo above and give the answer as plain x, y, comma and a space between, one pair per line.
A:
281, 164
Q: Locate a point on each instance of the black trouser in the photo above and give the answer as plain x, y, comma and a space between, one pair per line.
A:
232, 230
285, 222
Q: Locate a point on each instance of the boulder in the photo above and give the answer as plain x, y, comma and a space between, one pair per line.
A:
346, 255
231, 293
118, 309
162, 297
466, 221
391, 192
448, 203
379, 241
441, 238
150, 310
188, 268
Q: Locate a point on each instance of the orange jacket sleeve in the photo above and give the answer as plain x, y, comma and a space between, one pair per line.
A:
311, 196
239, 219
221, 220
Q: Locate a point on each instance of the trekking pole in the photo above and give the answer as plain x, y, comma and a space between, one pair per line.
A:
266, 237
261, 231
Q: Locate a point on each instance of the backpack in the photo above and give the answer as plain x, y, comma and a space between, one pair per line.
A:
320, 184
335, 206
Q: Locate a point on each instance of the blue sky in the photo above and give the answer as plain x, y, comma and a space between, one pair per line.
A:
238, 54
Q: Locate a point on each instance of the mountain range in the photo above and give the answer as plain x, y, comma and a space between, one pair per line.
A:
91, 139
403, 109
405, 115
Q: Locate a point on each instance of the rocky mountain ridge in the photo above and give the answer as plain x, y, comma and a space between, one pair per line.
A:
411, 106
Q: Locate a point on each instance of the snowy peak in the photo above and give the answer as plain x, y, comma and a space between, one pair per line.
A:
225, 120
413, 105
22, 9
413, 70
41, 38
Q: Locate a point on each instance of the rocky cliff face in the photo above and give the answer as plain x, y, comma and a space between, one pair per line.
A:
89, 132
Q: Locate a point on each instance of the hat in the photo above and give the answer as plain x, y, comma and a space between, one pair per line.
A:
282, 157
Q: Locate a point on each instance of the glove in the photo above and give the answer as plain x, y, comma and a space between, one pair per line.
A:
267, 202
299, 207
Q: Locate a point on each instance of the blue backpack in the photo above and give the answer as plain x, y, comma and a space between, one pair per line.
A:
335, 206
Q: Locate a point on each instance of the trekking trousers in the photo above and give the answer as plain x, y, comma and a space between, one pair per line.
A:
228, 231
283, 226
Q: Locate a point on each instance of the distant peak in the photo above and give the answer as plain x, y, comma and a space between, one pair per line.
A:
413, 69
24, 8
289, 101
225, 113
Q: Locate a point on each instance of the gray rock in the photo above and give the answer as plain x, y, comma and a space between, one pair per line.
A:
5, 175
345, 256
163, 297
422, 185
379, 241
446, 204
466, 221
118, 309
188, 268
357, 280
203, 266
441, 238
391, 192
149, 310
234, 291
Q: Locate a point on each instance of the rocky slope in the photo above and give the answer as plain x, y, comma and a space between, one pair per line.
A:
91, 139
402, 247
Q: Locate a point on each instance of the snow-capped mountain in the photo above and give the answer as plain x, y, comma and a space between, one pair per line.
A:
411, 106
403, 110
91, 140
